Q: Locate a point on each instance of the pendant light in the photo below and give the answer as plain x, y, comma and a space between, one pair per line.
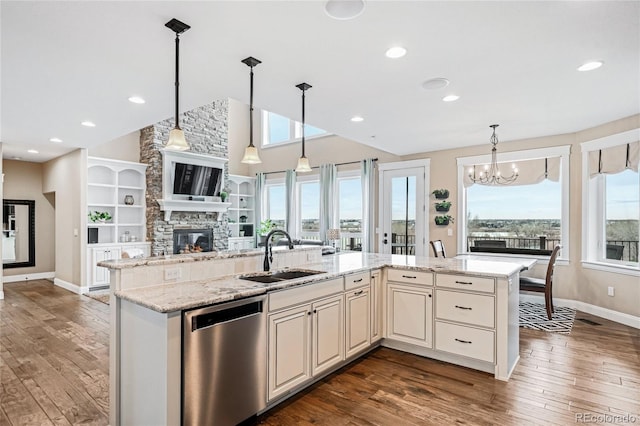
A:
177, 141
490, 174
303, 161
251, 152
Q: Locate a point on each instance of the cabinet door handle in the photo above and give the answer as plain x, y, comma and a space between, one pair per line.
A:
463, 307
429, 295
309, 313
315, 311
358, 280
358, 293
464, 282
413, 277
462, 341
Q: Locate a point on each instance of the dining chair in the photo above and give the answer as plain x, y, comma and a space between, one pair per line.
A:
438, 248
543, 285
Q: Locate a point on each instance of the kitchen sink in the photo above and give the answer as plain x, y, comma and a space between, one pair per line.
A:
278, 276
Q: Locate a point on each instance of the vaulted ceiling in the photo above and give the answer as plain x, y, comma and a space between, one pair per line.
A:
512, 63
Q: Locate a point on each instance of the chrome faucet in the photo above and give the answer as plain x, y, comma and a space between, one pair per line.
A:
268, 249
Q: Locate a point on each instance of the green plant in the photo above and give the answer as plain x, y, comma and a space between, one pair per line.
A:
443, 220
223, 196
441, 193
266, 226
443, 206
99, 216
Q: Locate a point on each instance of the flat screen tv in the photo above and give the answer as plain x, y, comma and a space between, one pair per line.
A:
192, 179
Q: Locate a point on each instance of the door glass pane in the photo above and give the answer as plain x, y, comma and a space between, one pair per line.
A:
276, 205
622, 212
403, 215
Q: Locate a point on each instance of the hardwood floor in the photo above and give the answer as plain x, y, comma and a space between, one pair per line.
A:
54, 356
54, 370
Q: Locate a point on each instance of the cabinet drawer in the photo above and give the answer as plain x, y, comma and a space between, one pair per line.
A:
357, 280
464, 282
304, 293
465, 341
414, 277
472, 309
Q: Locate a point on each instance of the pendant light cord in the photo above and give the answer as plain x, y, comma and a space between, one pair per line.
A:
251, 108
303, 122
177, 125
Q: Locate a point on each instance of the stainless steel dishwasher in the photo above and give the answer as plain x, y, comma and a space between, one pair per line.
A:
224, 362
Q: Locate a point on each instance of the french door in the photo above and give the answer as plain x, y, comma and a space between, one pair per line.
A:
402, 209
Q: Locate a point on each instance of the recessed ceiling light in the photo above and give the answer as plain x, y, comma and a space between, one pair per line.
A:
136, 100
451, 98
590, 66
396, 52
435, 83
88, 124
32, 151
17, 158
55, 140
344, 9
357, 119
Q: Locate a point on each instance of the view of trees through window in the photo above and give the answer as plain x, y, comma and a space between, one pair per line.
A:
514, 217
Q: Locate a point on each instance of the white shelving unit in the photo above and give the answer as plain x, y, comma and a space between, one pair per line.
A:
109, 182
241, 213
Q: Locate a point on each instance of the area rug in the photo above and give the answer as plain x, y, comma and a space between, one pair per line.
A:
99, 295
534, 316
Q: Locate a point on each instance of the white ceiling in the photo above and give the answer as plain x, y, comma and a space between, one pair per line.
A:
512, 63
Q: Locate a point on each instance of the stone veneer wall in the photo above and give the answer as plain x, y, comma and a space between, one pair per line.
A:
206, 131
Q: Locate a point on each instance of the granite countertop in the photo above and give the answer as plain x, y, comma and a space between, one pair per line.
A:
193, 257
186, 295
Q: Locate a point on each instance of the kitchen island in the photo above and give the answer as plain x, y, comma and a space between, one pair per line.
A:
459, 311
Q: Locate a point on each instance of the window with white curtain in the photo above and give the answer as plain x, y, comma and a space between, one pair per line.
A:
529, 216
611, 202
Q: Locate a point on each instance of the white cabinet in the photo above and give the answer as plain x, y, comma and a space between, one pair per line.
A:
465, 316
99, 276
375, 294
410, 314
358, 316
241, 213
306, 334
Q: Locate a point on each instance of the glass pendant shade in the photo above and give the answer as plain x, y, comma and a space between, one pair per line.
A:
251, 155
177, 141
303, 165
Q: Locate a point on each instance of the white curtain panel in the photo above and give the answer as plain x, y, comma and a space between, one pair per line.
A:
328, 173
368, 175
259, 198
290, 191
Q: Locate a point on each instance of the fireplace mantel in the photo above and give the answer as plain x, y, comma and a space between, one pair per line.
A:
169, 206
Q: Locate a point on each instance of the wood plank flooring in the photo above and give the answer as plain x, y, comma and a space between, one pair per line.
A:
54, 370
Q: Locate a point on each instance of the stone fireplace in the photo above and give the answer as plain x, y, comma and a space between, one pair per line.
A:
206, 131
192, 240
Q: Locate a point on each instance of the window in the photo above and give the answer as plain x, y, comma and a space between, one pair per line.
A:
277, 129
275, 204
309, 208
350, 211
530, 216
611, 202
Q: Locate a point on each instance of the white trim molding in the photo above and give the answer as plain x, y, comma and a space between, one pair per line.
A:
619, 317
70, 286
27, 277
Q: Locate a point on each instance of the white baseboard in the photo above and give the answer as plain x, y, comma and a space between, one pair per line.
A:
620, 317
70, 286
27, 277
1, 294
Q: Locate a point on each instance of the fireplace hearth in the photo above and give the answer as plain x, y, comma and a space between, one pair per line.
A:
192, 240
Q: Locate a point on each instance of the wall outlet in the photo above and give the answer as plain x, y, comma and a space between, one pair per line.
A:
610, 291
450, 232
172, 273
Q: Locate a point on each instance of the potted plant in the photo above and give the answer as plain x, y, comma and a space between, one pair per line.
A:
441, 194
266, 226
223, 196
443, 206
99, 216
443, 220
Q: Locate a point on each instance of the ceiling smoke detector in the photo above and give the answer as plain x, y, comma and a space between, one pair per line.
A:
435, 83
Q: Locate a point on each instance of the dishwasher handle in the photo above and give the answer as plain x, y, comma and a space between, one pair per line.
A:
210, 319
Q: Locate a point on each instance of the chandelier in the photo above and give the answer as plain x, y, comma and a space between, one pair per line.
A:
490, 174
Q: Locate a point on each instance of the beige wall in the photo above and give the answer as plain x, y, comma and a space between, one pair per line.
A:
64, 179
572, 280
124, 148
23, 181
